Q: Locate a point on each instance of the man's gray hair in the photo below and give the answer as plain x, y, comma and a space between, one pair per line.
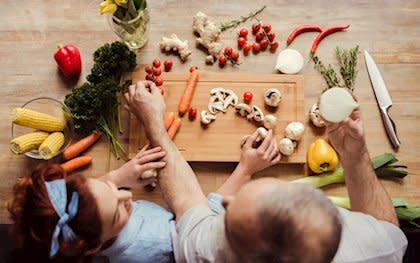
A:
297, 223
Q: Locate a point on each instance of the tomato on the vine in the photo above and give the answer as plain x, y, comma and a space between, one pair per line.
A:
241, 42
259, 36
158, 82
271, 36
264, 44
157, 71
168, 64
228, 51
274, 46
235, 55
255, 28
256, 48
243, 33
156, 63
222, 60
246, 48
267, 28
148, 69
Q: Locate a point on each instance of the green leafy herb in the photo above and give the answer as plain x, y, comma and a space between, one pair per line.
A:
96, 104
347, 60
235, 23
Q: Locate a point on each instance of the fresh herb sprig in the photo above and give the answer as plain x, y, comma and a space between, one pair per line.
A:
347, 60
96, 104
242, 19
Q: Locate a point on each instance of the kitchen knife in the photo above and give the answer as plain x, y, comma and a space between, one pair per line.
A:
383, 99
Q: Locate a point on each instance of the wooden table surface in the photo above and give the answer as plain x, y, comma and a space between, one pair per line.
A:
389, 30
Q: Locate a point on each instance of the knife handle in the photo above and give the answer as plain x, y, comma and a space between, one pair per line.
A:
390, 127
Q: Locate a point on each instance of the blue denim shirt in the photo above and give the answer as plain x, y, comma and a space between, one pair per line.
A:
147, 235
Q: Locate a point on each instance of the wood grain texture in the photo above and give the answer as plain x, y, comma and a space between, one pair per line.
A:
30, 30
220, 140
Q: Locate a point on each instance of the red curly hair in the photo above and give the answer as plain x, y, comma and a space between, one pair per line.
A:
34, 218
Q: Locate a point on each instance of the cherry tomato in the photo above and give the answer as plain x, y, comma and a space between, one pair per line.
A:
148, 69
235, 55
255, 28
256, 48
158, 82
243, 33
156, 63
267, 28
274, 46
271, 36
222, 60
192, 68
248, 96
241, 42
228, 51
157, 71
168, 64
259, 36
246, 48
192, 113
264, 44
150, 77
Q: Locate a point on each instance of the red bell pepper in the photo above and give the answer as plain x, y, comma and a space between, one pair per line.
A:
68, 60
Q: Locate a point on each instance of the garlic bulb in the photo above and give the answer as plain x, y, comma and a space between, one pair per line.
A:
286, 146
294, 131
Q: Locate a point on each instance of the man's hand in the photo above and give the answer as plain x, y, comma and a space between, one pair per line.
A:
347, 137
256, 159
145, 101
129, 175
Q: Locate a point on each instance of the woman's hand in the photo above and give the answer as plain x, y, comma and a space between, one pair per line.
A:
129, 174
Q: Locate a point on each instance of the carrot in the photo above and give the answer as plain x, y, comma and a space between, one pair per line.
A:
80, 146
173, 129
185, 100
169, 118
76, 163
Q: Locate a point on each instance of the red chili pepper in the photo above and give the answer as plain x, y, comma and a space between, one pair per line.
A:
302, 29
325, 33
68, 60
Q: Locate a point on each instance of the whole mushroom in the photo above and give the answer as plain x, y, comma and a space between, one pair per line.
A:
287, 146
270, 121
316, 116
294, 131
272, 97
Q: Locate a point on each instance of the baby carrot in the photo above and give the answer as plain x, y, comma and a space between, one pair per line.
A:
173, 129
185, 100
76, 163
80, 146
169, 118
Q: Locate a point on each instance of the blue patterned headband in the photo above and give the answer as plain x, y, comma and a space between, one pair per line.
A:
57, 193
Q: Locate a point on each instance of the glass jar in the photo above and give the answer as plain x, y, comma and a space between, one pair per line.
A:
134, 32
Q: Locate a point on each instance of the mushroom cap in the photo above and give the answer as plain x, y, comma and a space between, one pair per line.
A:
270, 121
295, 130
272, 97
262, 132
286, 146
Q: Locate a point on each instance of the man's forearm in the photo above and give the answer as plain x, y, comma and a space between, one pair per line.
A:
366, 193
232, 185
177, 180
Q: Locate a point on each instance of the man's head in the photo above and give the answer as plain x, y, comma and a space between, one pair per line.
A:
273, 221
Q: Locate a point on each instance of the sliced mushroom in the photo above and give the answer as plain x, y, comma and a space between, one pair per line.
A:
316, 116
215, 107
206, 117
244, 139
270, 121
219, 91
287, 146
294, 131
272, 97
243, 109
256, 114
230, 99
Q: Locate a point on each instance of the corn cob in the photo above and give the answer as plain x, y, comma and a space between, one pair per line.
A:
50, 147
27, 142
37, 120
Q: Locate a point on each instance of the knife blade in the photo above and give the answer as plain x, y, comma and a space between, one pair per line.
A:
383, 98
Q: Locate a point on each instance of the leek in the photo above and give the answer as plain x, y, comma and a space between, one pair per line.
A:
383, 165
404, 210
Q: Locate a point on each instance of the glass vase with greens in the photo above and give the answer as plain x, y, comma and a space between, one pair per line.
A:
129, 19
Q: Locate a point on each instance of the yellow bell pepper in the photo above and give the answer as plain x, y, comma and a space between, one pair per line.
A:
321, 156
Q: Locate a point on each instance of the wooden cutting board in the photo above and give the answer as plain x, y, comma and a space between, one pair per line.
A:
220, 140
